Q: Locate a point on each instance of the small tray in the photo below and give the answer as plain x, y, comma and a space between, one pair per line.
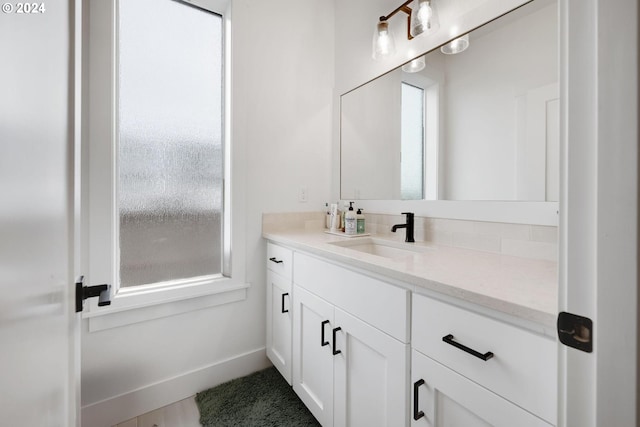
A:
343, 234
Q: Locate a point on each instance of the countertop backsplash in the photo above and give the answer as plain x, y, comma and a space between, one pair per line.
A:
522, 240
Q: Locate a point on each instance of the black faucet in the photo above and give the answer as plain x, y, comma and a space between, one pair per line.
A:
408, 225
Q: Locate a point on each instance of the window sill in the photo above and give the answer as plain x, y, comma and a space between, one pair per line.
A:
155, 302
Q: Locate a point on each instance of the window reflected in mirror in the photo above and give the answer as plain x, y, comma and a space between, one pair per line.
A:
412, 143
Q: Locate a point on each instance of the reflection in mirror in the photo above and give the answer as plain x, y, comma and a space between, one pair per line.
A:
412, 142
481, 124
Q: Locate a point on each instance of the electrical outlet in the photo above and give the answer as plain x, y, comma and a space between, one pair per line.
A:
302, 194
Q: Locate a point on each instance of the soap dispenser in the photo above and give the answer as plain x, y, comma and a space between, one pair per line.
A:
350, 221
359, 222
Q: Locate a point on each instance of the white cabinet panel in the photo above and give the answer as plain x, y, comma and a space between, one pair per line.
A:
447, 399
313, 354
523, 366
378, 303
279, 322
280, 260
370, 376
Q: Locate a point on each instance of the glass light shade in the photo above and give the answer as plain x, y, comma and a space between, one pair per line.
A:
414, 66
383, 43
424, 18
456, 46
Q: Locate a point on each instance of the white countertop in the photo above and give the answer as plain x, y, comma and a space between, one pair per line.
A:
521, 287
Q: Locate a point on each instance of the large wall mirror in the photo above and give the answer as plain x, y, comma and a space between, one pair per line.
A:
481, 124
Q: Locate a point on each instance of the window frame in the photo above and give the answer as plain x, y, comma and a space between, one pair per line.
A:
99, 190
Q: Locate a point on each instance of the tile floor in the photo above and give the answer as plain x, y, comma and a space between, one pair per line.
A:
180, 414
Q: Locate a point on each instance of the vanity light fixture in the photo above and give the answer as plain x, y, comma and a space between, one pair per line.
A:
456, 45
383, 43
414, 66
421, 20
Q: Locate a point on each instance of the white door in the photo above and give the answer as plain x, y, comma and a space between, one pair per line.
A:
371, 376
279, 321
38, 369
599, 209
313, 354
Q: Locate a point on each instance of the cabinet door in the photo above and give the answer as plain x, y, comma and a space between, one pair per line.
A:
441, 397
371, 376
312, 354
279, 321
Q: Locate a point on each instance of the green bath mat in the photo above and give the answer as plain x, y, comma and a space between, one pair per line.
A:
262, 399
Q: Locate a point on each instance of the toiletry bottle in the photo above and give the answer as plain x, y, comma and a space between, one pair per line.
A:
335, 220
359, 222
350, 221
327, 216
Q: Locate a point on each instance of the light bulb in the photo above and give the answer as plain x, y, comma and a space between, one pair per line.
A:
424, 18
383, 43
425, 12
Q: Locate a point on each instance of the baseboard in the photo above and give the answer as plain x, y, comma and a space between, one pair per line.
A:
110, 412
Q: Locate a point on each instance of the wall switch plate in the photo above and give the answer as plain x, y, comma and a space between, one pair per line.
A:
302, 194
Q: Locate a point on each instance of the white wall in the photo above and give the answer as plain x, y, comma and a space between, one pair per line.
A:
283, 80
282, 86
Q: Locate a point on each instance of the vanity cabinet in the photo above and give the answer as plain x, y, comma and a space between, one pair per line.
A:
347, 371
279, 313
361, 351
469, 369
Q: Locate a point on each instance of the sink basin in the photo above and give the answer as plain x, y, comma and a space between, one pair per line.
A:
382, 248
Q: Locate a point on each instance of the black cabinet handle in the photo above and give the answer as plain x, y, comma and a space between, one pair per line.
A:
334, 340
416, 413
322, 341
277, 261
449, 340
284, 295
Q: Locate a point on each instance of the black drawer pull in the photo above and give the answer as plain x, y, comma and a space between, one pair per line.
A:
449, 340
277, 261
416, 413
322, 341
334, 340
284, 295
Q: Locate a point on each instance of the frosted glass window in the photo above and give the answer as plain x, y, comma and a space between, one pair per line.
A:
170, 142
412, 143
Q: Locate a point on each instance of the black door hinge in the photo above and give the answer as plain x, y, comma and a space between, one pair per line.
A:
84, 292
575, 331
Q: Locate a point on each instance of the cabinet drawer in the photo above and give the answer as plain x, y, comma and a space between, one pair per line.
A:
380, 304
522, 368
280, 260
